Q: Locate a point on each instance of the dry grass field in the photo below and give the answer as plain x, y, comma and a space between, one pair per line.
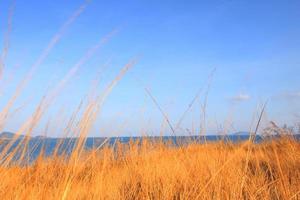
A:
145, 170
153, 170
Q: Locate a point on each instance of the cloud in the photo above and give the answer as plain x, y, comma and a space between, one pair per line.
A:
240, 97
291, 94
288, 95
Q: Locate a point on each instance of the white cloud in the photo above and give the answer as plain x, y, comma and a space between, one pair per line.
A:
288, 95
291, 94
240, 97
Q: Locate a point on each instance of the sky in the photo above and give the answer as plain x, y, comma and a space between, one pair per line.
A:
238, 54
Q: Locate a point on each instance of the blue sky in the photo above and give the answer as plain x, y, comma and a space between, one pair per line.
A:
253, 45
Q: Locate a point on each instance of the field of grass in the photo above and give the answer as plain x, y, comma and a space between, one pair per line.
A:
146, 170
270, 170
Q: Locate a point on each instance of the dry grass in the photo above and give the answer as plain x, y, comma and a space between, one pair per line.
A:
157, 171
269, 170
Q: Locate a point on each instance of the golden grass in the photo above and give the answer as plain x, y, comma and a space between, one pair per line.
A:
150, 170
158, 171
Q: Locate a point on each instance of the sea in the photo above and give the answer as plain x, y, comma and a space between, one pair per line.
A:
48, 146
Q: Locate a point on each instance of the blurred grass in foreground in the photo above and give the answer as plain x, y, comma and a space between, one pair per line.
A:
154, 170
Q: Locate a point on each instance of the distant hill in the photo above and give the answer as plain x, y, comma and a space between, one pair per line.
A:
241, 133
7, 135
10, 135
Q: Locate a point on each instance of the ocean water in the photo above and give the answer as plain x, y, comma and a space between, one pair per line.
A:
66, 145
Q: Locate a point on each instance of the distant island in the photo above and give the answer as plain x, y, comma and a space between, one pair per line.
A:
9, 135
